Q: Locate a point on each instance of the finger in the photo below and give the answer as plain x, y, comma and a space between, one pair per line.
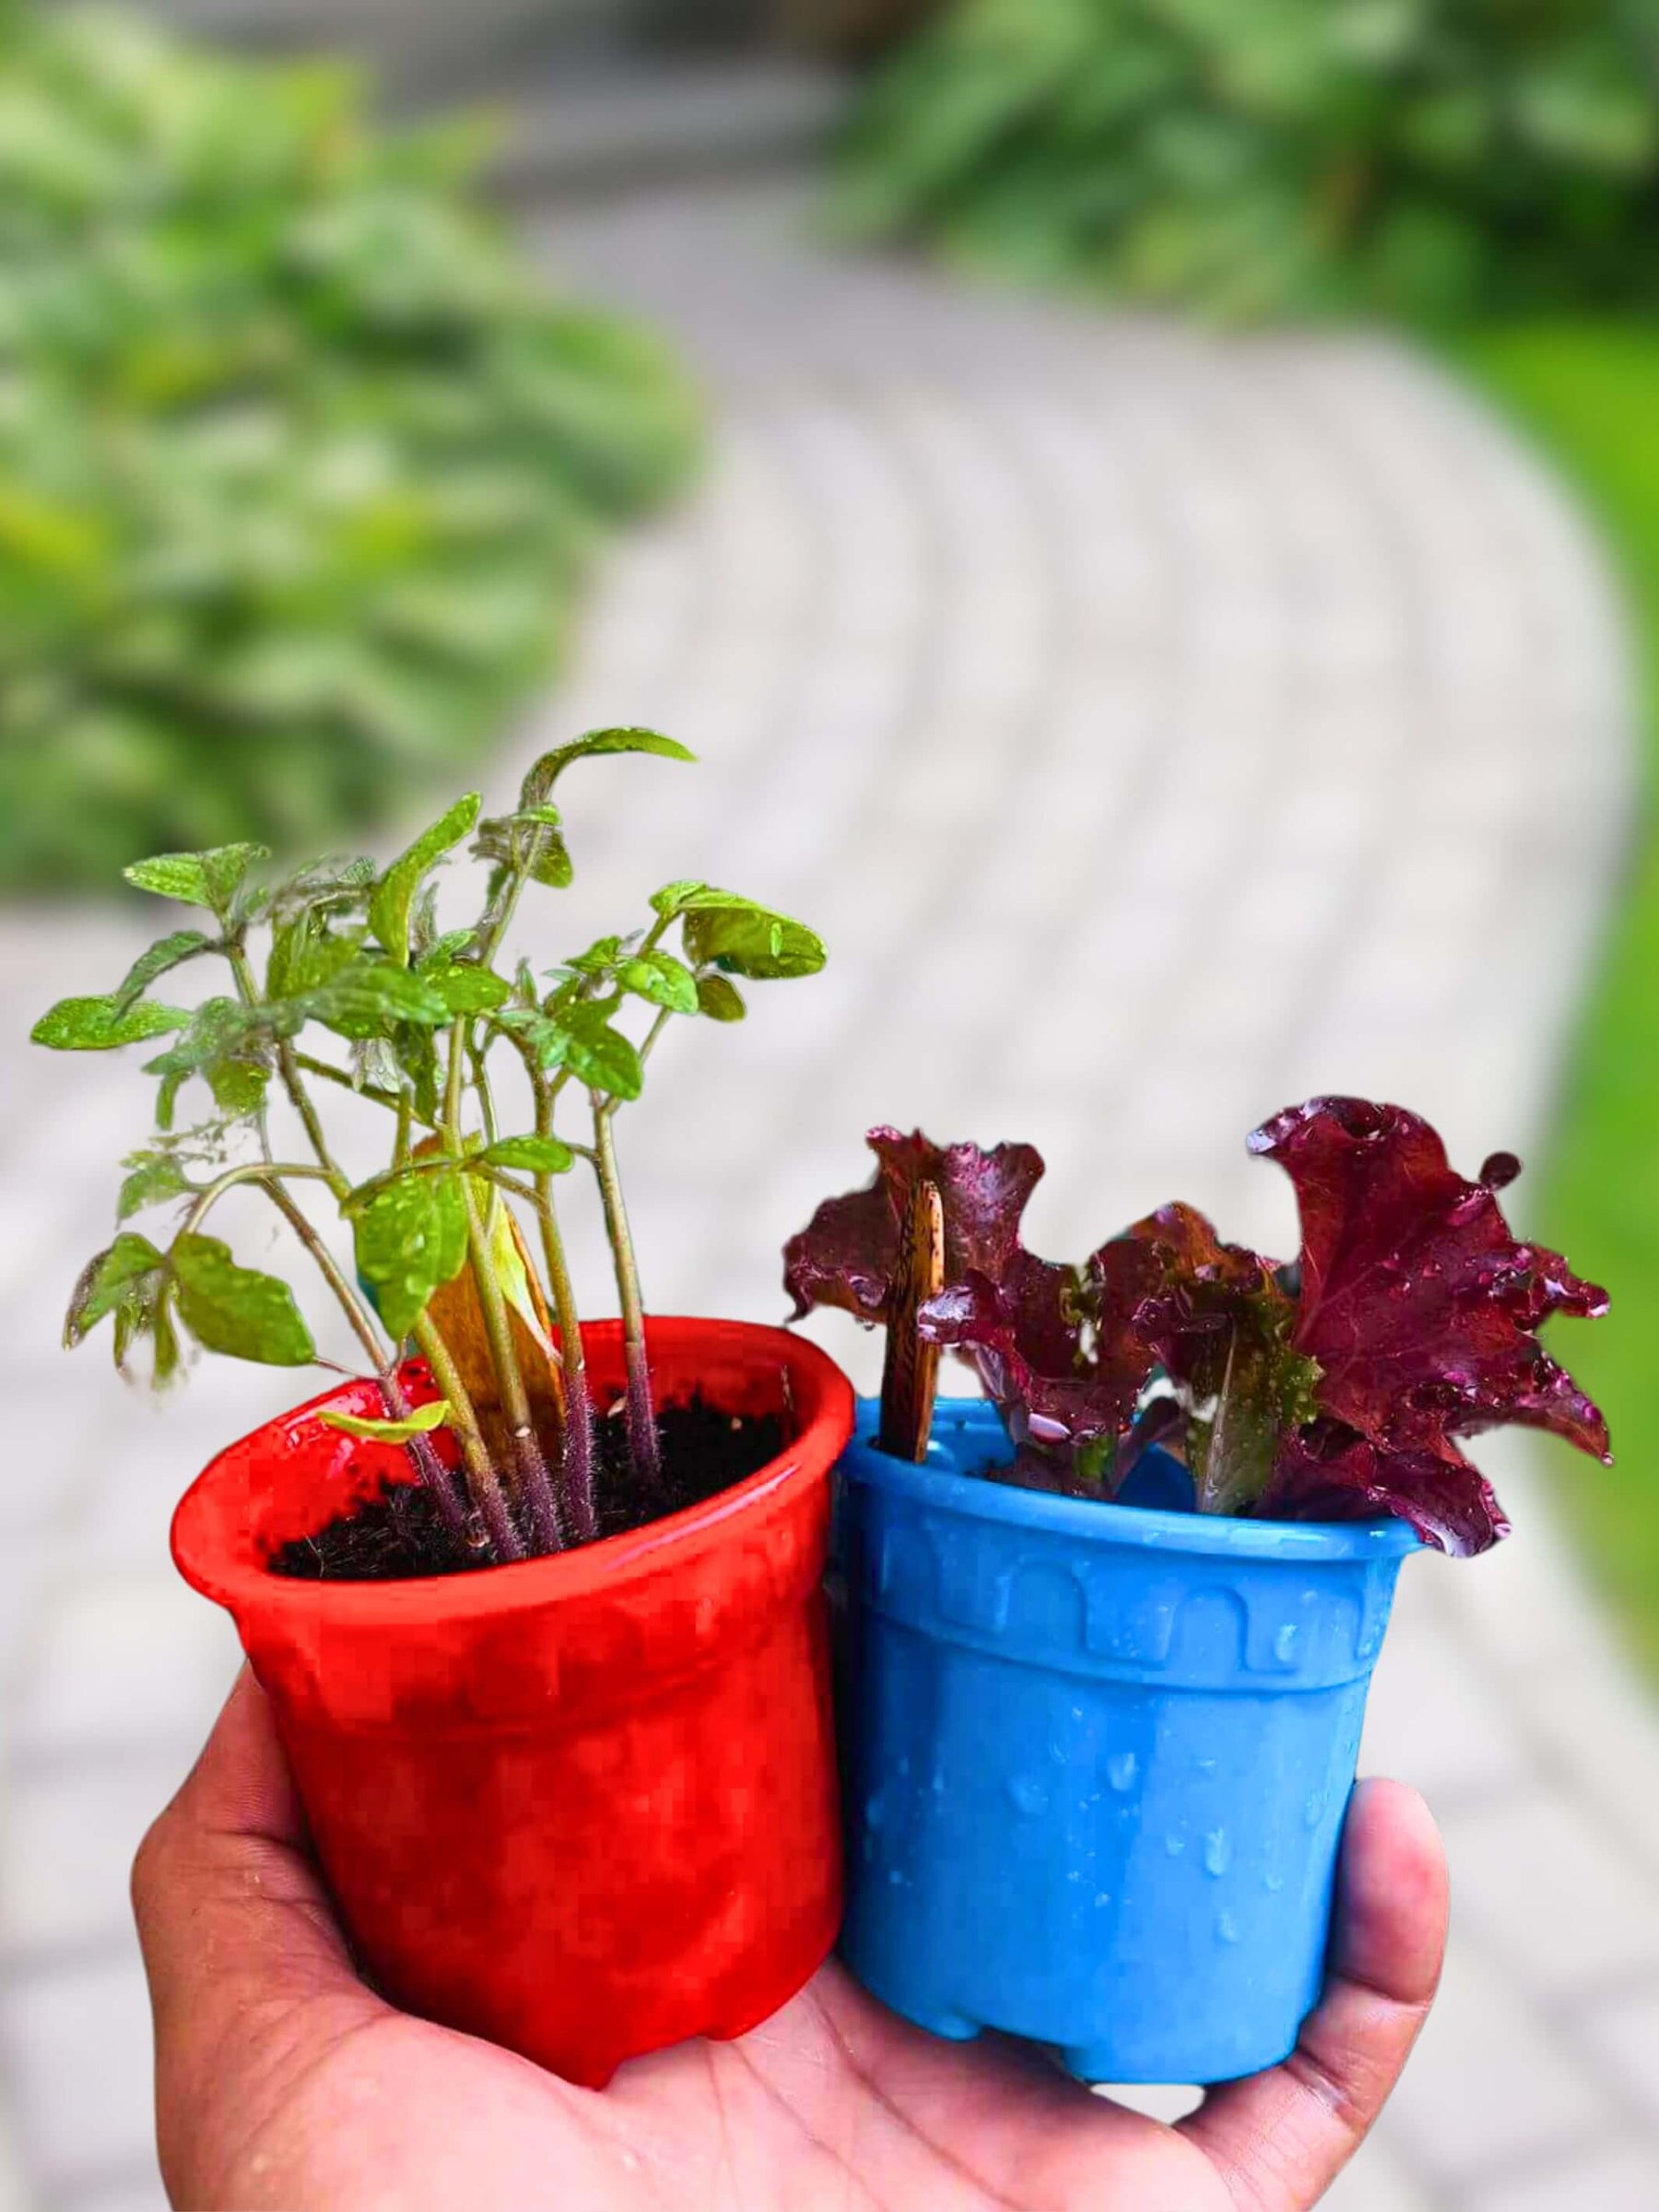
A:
240, 1942
1280, 2138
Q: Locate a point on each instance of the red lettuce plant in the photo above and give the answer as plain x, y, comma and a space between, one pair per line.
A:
1338, 1387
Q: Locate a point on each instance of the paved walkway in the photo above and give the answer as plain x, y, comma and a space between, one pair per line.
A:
1160, 729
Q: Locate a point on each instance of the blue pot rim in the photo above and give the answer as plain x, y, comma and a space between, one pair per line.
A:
937, 1481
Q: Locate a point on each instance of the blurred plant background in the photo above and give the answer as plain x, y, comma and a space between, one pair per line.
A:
1426, 158
301, 462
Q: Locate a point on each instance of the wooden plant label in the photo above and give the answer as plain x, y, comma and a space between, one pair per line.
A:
911, 1377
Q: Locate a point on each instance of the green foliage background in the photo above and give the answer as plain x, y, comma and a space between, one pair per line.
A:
1423, 157
300, 463
1591, 390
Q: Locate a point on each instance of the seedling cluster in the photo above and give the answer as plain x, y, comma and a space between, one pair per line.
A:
342, 980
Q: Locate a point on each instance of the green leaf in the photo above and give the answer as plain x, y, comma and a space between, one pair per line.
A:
672, 898
153, 1177
99, 1024
725, 931
512, 1278
394, 895
237, 1311
720, 1000
600, 958
420, 1421
602, 1058
410, 1238
162, 957
580, 1038
536, 1155
660, 978
364, 1000
305, 954
238, 1085
546, 771
225, 1044
110, 1281
527, 843
464, 988
211, 878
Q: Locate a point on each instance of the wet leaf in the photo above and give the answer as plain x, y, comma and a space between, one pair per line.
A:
538, 783
409, 1239
394, 895
236, 1309
210, 878
110, 1281
420, 1421
167, 954
99, 1024
533, 1155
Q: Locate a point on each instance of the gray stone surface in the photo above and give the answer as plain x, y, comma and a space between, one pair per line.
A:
1160, 727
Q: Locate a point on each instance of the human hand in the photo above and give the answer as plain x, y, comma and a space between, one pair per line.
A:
285, 2085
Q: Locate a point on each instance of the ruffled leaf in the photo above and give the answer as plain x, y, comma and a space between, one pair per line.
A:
1418, 1304
848, 1254
1327, 1472
1060, 1349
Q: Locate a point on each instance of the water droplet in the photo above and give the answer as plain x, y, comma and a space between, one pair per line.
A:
1286, 1642
1227, 1927
1103, 1897
1313, 1810
895, 1877
1121, 1770
1030, 1794
1205, 1766
874, 1810
935, 1782
1217, 1853
1174, 1843
1273, 1881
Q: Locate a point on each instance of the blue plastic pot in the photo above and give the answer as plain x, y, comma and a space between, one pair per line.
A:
1096, 1758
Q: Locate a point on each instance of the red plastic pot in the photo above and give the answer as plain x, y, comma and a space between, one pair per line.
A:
585, 1805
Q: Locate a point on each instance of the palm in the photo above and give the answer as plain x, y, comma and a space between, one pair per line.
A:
283, 2081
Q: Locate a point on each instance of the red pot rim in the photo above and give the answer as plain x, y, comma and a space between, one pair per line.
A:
241, 1580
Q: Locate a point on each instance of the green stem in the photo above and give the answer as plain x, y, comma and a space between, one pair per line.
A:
577, 1465
481, 1477
356, 1312
663, 1018
452, 1089
515, 1400
394, 1101
643, 1448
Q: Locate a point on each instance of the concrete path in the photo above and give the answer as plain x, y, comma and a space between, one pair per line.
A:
1160, 729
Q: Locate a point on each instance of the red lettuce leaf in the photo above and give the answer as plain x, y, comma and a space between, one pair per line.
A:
1057, 1348
1416, 1301
848, 1252
1327, 1472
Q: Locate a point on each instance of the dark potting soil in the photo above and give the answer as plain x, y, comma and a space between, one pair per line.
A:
400, 1533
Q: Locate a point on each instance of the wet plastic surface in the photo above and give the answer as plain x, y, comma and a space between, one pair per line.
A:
583, 1805
1098, 1758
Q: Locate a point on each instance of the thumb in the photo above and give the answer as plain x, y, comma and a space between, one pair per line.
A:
241, 1946
1280, 2138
